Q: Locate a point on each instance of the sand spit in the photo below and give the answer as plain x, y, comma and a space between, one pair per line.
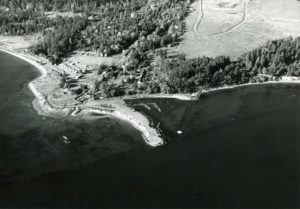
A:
115, 107
120, 111
136, 119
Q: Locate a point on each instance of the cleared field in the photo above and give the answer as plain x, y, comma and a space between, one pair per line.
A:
288, 9
92, 59
220, 16
18, 42
232, 27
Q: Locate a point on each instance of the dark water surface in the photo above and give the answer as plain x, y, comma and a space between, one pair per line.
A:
240, 148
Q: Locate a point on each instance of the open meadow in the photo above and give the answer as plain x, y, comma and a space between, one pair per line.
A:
281, 9
233, 27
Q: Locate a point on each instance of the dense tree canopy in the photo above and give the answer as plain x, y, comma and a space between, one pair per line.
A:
274, 59
54, 5
180, 75
136, 28
108, 27
62, 39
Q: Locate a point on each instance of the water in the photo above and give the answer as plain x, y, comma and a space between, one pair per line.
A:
239, 148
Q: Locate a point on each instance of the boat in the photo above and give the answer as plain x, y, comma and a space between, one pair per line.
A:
179, 132
66, 140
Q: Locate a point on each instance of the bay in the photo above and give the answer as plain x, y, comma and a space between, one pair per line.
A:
239, 148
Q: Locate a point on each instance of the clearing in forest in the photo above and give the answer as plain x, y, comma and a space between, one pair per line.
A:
232, 27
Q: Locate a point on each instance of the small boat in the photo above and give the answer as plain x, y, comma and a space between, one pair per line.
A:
179, 132
66, 140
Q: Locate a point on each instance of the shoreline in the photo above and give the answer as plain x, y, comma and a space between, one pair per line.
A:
120, 110
195, 95
137, 120
41, 99
281, 81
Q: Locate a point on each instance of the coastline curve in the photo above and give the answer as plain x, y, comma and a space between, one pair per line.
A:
150, 135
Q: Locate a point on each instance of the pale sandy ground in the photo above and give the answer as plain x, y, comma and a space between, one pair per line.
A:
92, 59
123, 112
88, 61
18, 42
264, 20
62, 14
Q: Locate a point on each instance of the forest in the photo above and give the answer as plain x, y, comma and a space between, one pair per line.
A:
53, 5
273, 60
140, 30
148, 26
107, 27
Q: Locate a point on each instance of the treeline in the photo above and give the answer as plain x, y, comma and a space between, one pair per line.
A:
108, 27
146, 24
181, 75
53, 5
23, 17
56, 42
271, 61
62, 39
18, 23
135, 26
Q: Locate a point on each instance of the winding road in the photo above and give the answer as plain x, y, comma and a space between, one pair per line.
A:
201, 14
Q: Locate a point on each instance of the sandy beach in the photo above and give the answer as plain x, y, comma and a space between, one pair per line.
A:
283, 80
120, 111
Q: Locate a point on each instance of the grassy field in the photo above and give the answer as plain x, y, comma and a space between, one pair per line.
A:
220, 16
232, 27
287, 9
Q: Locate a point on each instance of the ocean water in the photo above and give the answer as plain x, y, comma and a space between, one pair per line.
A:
239, 148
